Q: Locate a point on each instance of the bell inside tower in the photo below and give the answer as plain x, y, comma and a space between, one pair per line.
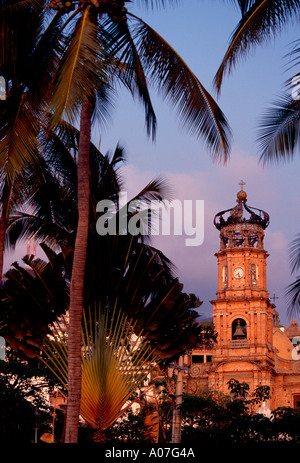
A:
239, 329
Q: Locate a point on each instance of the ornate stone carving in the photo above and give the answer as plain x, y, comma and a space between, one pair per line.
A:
196, 370
296, 367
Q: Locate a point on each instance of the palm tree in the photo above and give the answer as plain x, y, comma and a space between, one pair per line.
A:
103, 41
137, 280
27, 55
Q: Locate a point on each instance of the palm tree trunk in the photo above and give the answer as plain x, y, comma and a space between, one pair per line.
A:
78, 272
6, 194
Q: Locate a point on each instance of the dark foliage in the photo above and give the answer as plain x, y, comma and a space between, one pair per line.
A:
22, 402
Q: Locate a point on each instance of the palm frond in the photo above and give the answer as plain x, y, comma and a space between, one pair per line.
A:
31, 298
293, 290
49, 211
19, 128
158, 3
48, 272
295, 254
132, 73
156, 190
60, 148
148, 293
262, 20
20, 26
293, 297
279, 131
82, 67
27, 88
40, 66
195, 107
143, 207
293, 55
243, 5
106, 180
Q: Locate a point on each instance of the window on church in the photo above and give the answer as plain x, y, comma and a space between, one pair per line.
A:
253, 273
225, 275
239, 329
198, 358
296, 401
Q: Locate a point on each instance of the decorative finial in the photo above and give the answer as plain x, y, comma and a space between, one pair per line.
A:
242, 195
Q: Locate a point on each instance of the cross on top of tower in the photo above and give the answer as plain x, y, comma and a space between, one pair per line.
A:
242, 183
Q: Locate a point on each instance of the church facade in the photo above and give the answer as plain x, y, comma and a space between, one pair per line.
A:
251, 347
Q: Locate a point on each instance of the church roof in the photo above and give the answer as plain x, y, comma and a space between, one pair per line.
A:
282, 344
293, 330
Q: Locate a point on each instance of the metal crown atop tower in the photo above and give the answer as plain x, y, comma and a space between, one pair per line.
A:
241, 225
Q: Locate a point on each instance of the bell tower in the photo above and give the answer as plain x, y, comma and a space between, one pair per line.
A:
242, 311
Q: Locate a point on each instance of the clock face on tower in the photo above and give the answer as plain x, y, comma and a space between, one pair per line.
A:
238, 272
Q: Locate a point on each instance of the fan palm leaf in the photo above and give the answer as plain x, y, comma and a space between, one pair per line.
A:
115, 362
